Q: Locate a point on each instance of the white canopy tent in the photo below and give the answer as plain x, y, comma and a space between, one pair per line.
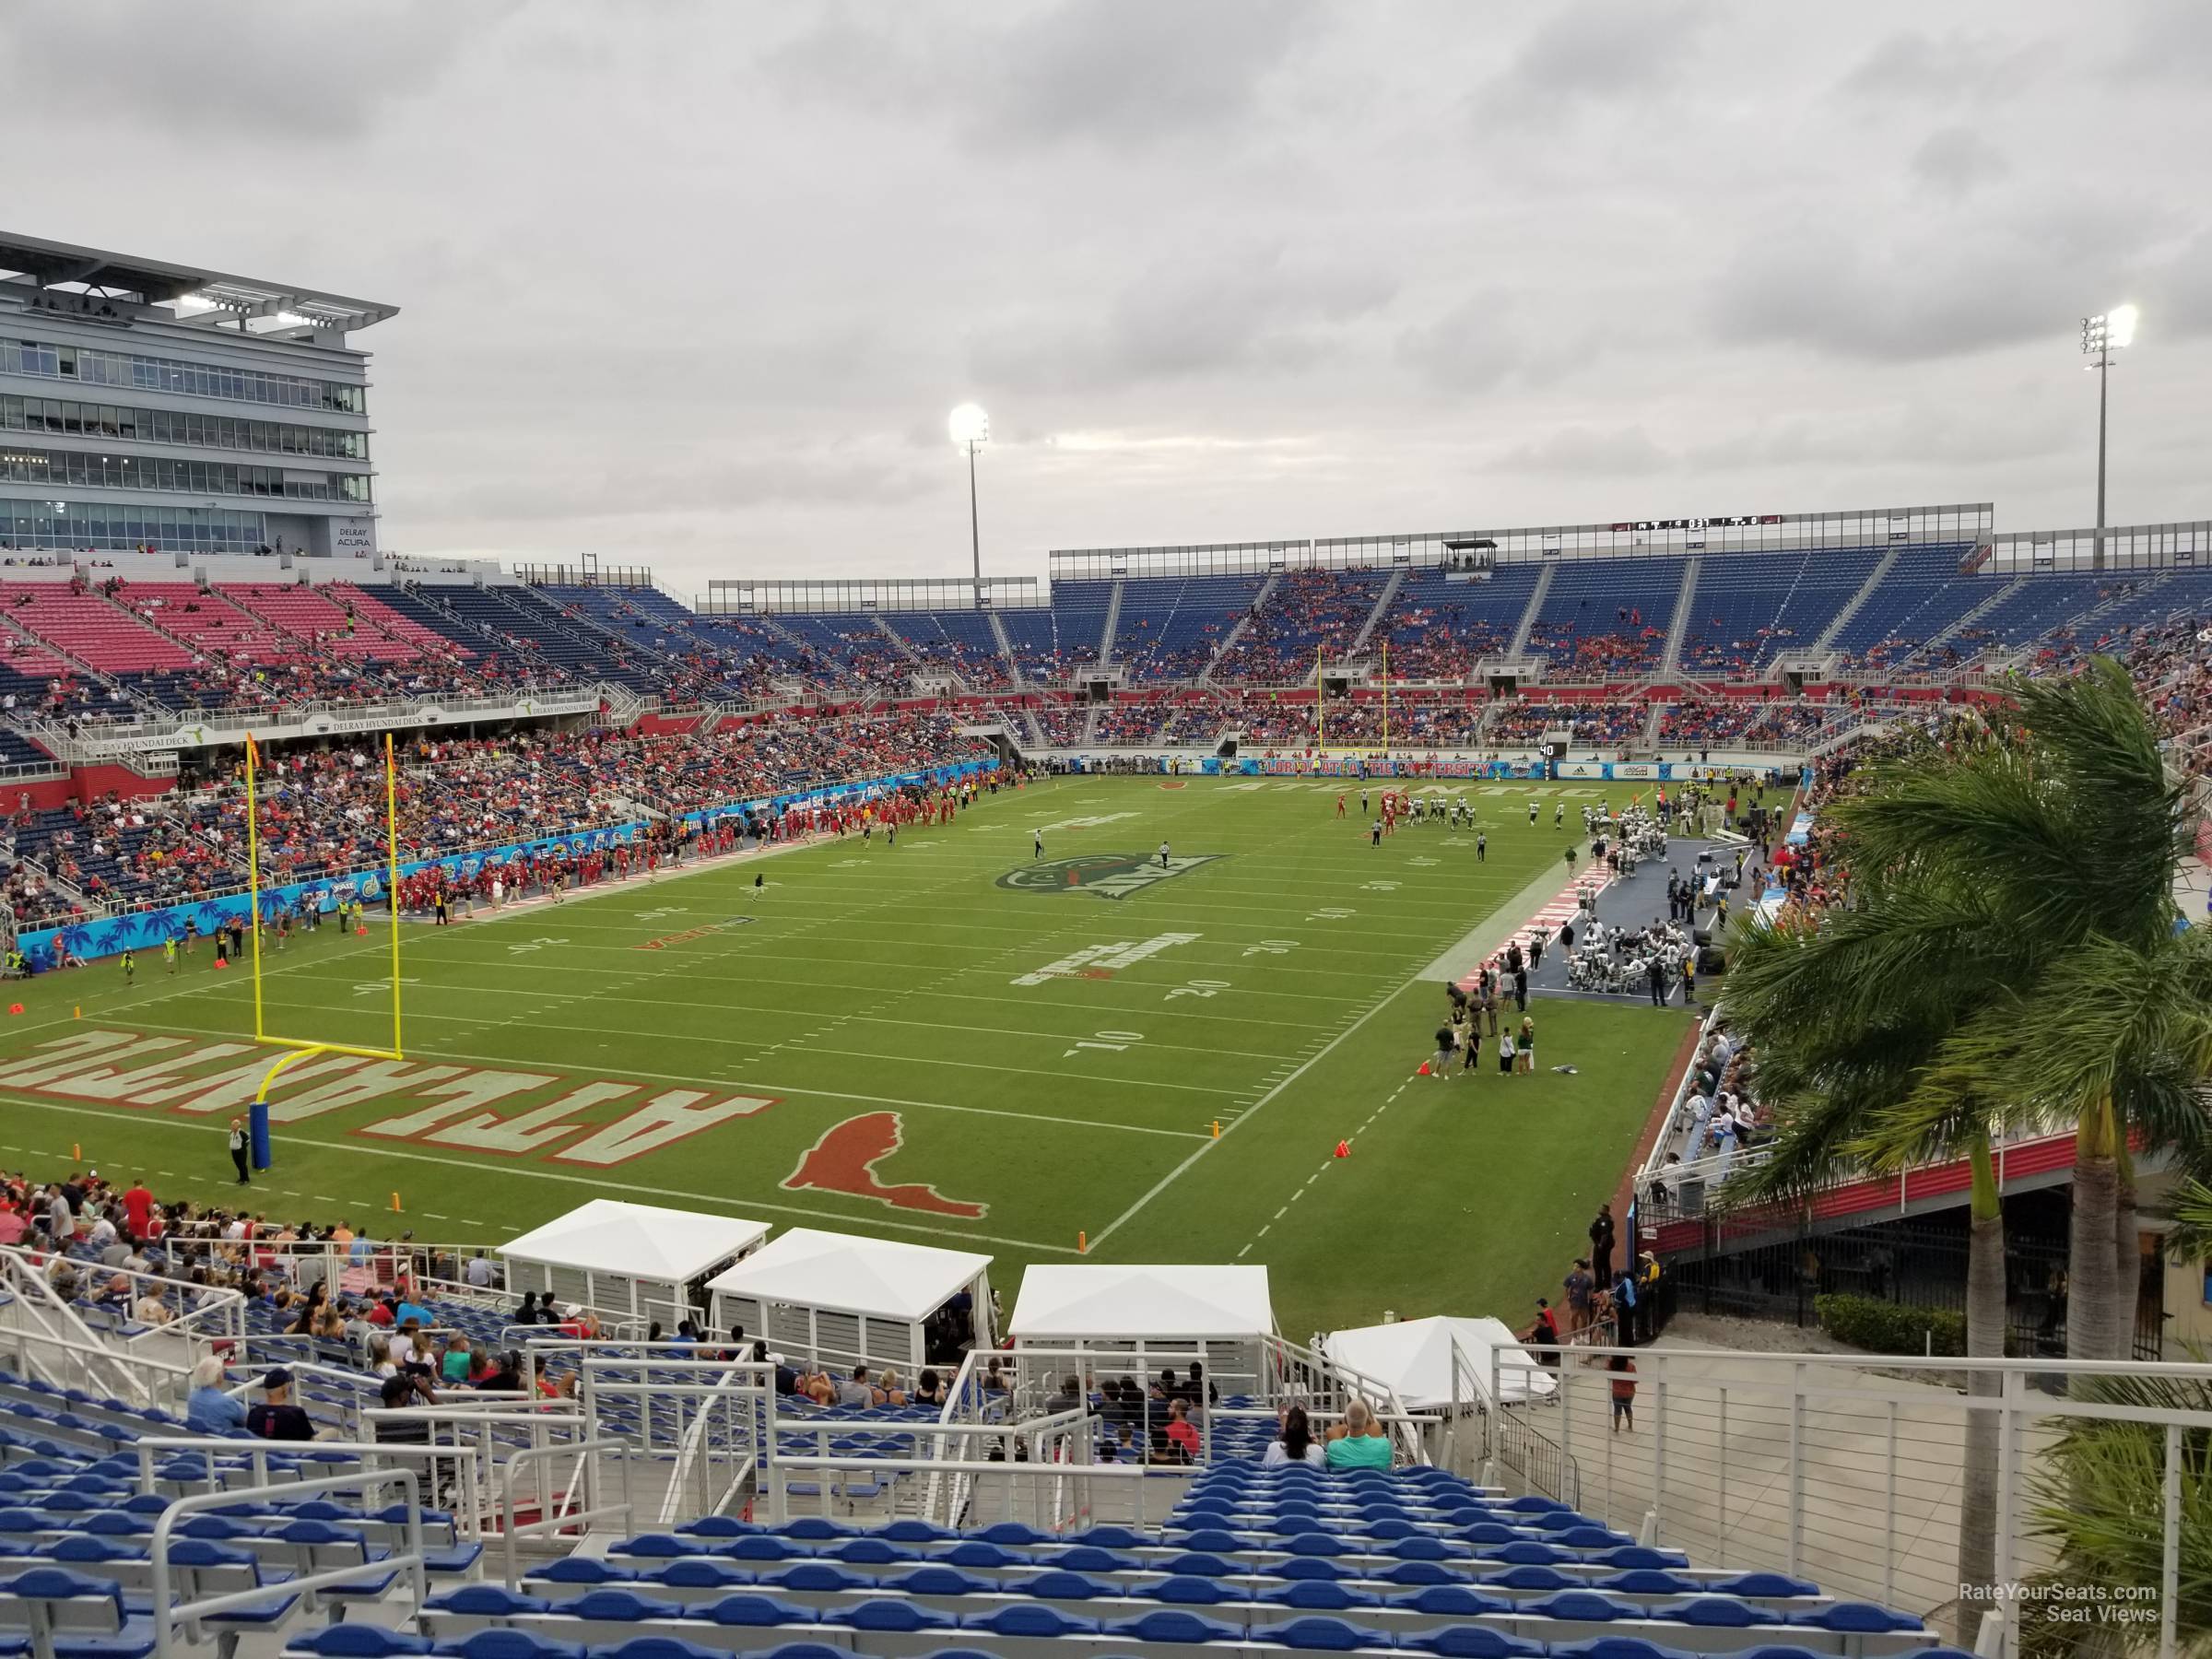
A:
630, 1262
1111, 1318
1096, 1301
841, 1298
1412, 1359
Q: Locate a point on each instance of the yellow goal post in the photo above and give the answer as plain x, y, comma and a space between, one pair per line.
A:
301, 1048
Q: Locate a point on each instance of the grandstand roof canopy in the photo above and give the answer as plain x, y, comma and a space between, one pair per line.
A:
848, 1273
641, 1240
1412, 1359
1165, 1303
157, 282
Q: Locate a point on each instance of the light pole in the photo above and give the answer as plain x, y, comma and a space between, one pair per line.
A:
2100, 336
971, 426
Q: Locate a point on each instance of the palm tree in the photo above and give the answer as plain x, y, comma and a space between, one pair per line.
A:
1840, 1037
2056, 834
2009, 952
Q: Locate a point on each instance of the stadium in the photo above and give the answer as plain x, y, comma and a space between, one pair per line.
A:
1619, 1090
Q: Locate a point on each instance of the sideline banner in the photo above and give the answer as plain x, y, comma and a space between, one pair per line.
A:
145, 930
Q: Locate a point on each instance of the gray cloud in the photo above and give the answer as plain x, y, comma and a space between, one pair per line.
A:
1587, 452
1911, 67
1601, 53
1957, 161
1259, 311
1130, 72
299, 74
1944, 289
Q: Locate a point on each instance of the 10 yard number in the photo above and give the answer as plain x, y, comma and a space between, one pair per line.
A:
1116, 1042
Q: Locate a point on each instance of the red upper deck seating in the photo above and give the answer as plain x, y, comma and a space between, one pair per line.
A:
212, 624
306, 614
89, 628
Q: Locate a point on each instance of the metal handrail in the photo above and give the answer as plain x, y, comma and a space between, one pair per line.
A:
169, 1615
509, 1533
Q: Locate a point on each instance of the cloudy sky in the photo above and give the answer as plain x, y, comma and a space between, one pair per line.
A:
695, 283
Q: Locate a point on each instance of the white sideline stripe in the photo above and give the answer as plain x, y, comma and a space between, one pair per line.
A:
720, 1200
1174, 1175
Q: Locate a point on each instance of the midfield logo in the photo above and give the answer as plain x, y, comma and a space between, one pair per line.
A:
1103, 875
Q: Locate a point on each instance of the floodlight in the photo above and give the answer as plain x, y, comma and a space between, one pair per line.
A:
2100, 336
969, 424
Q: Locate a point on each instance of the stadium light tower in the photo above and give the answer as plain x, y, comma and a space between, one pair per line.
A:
971, 426
2100, 336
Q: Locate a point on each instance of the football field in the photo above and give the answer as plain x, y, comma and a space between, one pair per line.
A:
956, 1040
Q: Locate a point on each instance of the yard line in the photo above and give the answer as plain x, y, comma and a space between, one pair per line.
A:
738, 1042
526, 1173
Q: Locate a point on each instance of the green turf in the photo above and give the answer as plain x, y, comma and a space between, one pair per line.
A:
870, 979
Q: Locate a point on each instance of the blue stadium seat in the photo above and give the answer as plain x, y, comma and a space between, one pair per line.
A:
1322, 1635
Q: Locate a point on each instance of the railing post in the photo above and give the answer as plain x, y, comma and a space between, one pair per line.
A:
1796, 1491
1889, 1514
1720, 1532
1659, 1459
2169, 1572
2008, 1450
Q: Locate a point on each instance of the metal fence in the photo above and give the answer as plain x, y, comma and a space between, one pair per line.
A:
1853, 1471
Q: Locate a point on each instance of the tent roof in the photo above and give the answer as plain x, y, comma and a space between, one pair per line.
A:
853, 1274
1414, 1356
643, 1240
1162, 1303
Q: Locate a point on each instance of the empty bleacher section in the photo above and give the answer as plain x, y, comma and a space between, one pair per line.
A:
1171, 627
89, 629
1749, 608
959, 641
847, 649
1439, 625
1921, 597
524, 623
1606, 618
1049, 640
1310, 615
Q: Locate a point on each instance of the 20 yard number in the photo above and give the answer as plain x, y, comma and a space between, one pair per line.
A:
1198, 988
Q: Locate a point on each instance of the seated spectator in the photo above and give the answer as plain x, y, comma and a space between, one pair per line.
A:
1068, 1397
1296, 1443
276, 1417
857, 1390
1359, 1441
208, 1409
400, 1392
455, 1366
1182, 1434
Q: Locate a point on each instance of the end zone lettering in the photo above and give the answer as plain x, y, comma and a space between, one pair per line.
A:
1102, 875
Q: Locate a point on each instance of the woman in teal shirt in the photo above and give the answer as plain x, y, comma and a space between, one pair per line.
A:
1359, 1442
